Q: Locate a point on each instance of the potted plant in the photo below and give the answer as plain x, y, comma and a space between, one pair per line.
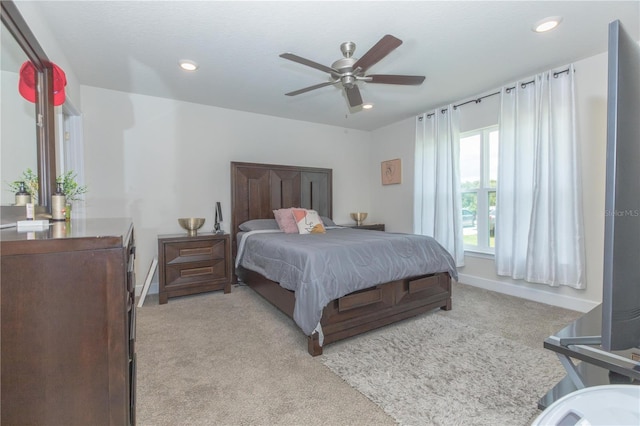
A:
70, 188
30, 181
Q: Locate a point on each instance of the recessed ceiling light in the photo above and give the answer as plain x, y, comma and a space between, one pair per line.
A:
188, 65
547, 24
367, 106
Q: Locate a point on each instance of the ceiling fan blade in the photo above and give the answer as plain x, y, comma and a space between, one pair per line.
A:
353, 95
381, 49
308, 89
308, 62
411, 80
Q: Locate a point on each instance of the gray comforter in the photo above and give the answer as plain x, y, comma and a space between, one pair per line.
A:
322, 267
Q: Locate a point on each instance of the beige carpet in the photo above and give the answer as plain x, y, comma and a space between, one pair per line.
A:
233, 359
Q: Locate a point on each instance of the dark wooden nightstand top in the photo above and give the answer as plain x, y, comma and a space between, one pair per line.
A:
369, 226
186, 236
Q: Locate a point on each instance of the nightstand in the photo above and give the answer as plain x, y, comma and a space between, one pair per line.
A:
369, 226
191, 265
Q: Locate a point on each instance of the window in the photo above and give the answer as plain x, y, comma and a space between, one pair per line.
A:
478, 182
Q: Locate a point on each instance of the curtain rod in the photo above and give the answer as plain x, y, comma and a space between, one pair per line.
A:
508, 90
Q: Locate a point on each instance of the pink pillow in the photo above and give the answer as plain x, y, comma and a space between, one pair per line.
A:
308, 221
286, 222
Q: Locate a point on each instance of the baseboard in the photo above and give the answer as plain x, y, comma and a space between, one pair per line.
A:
153, 289
554, 299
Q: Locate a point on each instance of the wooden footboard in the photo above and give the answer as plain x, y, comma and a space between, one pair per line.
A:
363, 310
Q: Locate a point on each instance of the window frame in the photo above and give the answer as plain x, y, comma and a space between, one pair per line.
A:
482, 192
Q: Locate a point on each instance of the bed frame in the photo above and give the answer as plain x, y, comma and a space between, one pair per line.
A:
258, 189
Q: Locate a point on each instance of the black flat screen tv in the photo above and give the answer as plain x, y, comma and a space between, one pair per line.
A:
621, 284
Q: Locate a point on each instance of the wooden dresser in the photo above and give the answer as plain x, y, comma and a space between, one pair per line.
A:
68, 324
193, 264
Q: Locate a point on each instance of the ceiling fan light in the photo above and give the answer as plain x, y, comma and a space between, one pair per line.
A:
367, 106
547, 24
188, 65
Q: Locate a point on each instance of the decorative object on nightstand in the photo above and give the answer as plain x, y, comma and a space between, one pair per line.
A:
191, 224
193, 264
216, 227
359, 217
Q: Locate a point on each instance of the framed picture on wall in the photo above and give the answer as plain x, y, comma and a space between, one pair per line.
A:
391, 171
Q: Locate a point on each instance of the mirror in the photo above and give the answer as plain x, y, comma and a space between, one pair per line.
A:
17, 141
18, 131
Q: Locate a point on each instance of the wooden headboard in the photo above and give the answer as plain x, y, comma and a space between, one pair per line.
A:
258, 189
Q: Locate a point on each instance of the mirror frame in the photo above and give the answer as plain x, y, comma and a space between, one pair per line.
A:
45, 120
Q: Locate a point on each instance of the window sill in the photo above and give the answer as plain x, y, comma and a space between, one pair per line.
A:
479, 253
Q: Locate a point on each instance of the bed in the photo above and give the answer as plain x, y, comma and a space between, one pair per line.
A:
258, 189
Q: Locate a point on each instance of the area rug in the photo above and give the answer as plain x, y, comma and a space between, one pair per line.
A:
433, 370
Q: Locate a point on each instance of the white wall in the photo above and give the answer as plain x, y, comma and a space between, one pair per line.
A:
395, 205
156, 160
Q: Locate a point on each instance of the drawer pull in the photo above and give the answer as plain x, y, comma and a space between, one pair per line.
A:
185, 273
198, 251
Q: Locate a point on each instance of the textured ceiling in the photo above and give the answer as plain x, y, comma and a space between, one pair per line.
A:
464, 48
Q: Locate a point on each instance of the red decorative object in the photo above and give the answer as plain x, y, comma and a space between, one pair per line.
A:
29, 82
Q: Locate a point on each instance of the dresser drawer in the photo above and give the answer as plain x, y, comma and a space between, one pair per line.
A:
194, 251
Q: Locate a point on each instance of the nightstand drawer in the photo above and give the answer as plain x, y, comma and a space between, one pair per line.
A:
194, 251
180, 274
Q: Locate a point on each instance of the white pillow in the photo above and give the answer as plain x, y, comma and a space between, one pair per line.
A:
308, 221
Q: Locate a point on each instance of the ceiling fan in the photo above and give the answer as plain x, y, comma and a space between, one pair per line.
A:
349, 70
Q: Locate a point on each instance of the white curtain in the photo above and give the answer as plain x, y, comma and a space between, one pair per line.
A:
437, 211
539, 223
